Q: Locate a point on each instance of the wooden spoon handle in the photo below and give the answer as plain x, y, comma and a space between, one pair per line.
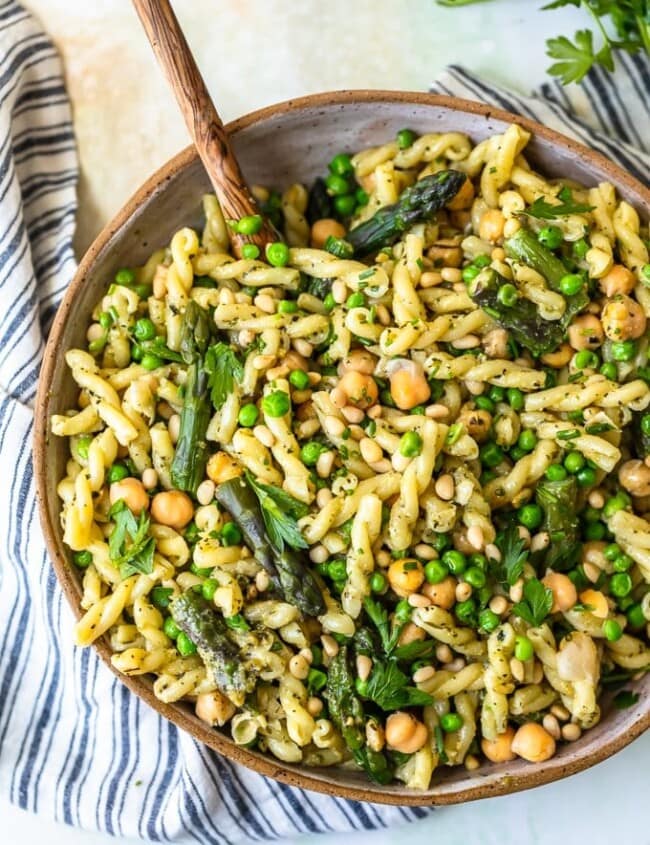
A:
201, 117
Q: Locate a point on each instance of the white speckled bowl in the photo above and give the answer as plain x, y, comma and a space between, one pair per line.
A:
277, 145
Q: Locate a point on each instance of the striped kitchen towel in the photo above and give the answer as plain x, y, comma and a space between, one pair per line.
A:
75, 745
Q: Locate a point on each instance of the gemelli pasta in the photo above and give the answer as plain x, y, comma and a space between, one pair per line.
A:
379, 497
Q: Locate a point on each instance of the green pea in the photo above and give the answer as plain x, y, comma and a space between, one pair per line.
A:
136, 353
248, 415
612, 631
556, 472
571, 284
230, 534
609, 370
338, 247
83, 559
488, 620
125, 276
144, 329
410, 445
151, 362
250, 252
82, 445
451, 722
635, 616
441, 542
356, 300
105, 320
276, 403
550, 236
209, 588
341, 165
116, 473
484, 403
316, 680
516, 454
507, 295
454, 561
530, 516
378, 582
465, 611
299, 379
329, 302
479, 560
645, 424
469, 273
622, 563
361, 687
574, 462
249, 225
595, 531
345, 205
523, 649
620, 585
527, 440
403, 611
475, 577
585, 358
612, 551
586, 477
482, 261
435, 571
515, 398
623, 350
337, 570
581, 248
160, 596
491, 455
277, 254
311, 452
201, 571
170, 628
337, 185
617, 503
405, 138
185, 645
362, 197
287, 306
497, 394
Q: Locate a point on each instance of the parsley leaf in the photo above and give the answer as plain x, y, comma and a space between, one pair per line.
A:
577, 58
536, 604
130, 546
224, 368
280, 512
379, 616
513, 556
543, 210
415, 650
389, 688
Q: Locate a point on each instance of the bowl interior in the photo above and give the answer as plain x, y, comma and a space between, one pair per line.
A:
279, 145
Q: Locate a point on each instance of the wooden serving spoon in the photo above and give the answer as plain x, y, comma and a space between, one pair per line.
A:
202, 120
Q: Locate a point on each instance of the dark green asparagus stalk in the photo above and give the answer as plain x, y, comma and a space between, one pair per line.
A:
521, 319
319, 203
525, 248
286, 567
188, 466
346, 711
416, 205
558, 501
208, 631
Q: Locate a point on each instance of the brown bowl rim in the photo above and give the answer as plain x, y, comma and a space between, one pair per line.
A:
493, 784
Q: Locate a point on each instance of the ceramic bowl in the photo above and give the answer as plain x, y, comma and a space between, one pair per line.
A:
294, 141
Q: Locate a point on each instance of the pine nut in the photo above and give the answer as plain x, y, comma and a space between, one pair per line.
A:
338, 397
262, 581
425, 552
264, 435
463, 591
226, 297
375, 736
492, 552
551, 726
571, 732
418, 600
591, 571
174, 427
476, 388
263, 362
538, 672
323, 497
517, 590
456, 665
498, 254
280, 371
339, 291
245, 337
330, 646
299, 667
266, 303
596, 499
364, 667
381, 466
498, 605
205, 492
307, 654
445, 487
451, 274
430, 279
470, 341
314, 378
324, 464
334, 427
472, 763
352, 414
475, 537
314, 706
560, 712
444, 654
303, 347
517, 669
374, 412
95, 332
539, 541
383, 315
371, 451
423, 674
436, 412
524, 534
150, 479
318, 554
383, 558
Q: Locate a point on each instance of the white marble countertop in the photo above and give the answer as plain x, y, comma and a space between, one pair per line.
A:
255, 52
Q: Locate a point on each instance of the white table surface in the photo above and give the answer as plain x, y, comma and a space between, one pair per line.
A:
255, 52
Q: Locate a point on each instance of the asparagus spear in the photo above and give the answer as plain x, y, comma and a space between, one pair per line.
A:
558, 502
191, 455
417, 204
208, 631
346, 711
286, 567
319, 204
522, 320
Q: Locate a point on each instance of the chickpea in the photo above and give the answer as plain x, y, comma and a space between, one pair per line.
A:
405, 576
214, 708
559, 358
635, 477
464, 197
597, 602
477, 423
359, 388
409, 389
533, 743
172, 508
593, 553
564, 592
221, 467
442, 594
446, 253
586, 332
623, 318
405, 733
359, 360
618, 280
133, 492
499, 750
294, 361
411, 633
322, 229
491, 226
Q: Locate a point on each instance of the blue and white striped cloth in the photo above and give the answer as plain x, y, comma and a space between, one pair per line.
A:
75, 745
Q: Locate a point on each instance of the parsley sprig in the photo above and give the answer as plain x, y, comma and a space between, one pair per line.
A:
544, 210
223, 368
513, 556
280, 512
536, 603
130, 546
